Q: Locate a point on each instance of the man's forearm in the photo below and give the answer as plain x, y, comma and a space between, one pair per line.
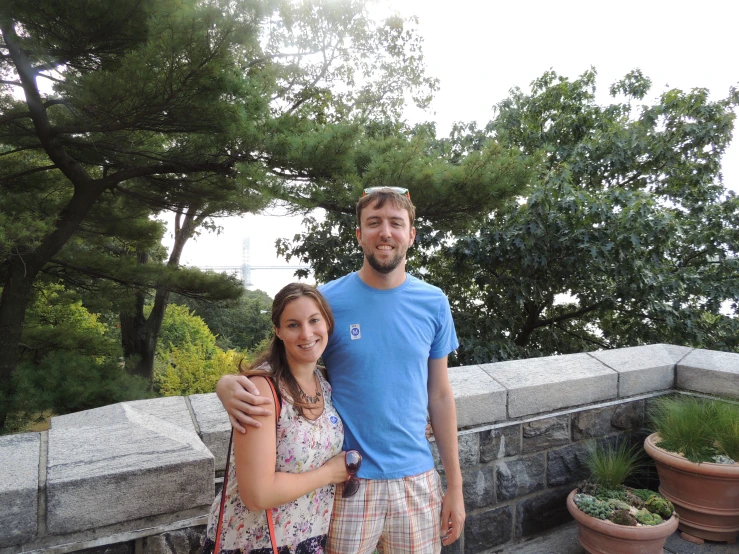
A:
443, 414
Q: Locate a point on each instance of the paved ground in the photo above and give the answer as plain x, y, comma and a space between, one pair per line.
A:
564, 541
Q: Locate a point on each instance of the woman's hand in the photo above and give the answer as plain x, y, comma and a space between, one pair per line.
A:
241, 400
336, 469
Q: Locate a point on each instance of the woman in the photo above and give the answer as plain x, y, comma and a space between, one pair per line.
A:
288, 466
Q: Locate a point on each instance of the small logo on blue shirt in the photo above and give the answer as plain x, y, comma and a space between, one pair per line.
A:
354, 331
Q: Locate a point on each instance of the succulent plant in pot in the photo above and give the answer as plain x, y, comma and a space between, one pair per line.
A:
696, 450
613, 518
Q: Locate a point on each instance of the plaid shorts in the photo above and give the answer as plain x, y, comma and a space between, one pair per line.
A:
393, 516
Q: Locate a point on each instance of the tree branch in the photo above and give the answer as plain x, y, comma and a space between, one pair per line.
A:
570, 315
586, 339
71, 169
21, 149
274, 56
157, 169
27, 172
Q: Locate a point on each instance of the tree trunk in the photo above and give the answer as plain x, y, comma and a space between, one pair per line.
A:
13, 304
18, 281
139, 335
529, 326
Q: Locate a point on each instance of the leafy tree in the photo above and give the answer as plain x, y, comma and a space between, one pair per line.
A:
243, 323
180, 327
187, 358
453, 182
197, 107
625, 234
69, 361
627, 237
188, 369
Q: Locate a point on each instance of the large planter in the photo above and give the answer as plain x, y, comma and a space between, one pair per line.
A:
705, 495
605, 537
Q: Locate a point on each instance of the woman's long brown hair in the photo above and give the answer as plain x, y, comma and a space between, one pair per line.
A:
272, 362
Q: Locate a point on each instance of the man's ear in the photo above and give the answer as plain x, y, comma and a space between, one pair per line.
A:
413, 236
359, 234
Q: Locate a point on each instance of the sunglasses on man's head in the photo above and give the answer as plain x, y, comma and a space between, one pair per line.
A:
398, 190
353, 461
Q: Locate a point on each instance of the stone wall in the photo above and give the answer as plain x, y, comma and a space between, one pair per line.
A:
139, 476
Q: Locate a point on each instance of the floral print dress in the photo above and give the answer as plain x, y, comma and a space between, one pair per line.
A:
301, 526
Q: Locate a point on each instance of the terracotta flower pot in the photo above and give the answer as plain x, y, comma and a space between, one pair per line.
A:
705, 495
605, 537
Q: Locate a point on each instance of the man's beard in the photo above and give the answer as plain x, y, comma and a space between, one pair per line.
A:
388, 267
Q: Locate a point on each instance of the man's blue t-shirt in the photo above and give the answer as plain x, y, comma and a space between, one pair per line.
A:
377, 361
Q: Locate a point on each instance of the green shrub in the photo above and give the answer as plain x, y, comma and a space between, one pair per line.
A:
592, 506
661, 506
644, 494
645, 517
189, 370
603, 493
65, 382
617, 504
623, 517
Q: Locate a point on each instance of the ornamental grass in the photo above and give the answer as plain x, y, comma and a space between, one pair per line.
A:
699, 429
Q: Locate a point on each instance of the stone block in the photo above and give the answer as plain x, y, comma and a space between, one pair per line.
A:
709, 372
19, 488
629, 416
181, 541
455, 547
544, 434
567, 465
117, 548
514, 478
488, 529
137, 467
599, 422
171, 409
500, 443
469, 448
215, 428
478, 398
540, 385
643, 369
542, 512
478, 487
676, 351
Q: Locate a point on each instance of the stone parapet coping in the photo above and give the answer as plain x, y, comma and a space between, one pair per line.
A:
140, 465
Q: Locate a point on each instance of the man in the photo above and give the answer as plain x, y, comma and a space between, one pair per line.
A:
387, 363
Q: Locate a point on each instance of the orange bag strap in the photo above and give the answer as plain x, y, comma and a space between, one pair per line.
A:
270, 523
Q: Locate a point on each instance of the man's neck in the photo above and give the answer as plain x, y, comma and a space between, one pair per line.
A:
382, 281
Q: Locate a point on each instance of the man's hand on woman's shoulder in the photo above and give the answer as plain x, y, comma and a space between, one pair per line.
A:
241, 400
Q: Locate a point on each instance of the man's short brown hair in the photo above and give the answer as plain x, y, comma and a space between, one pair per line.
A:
377, 198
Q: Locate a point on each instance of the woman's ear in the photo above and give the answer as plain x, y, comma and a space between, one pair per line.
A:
277, 332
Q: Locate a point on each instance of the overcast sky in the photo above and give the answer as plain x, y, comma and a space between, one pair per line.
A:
479, 49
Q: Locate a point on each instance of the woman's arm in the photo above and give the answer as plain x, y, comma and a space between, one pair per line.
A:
260, 486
